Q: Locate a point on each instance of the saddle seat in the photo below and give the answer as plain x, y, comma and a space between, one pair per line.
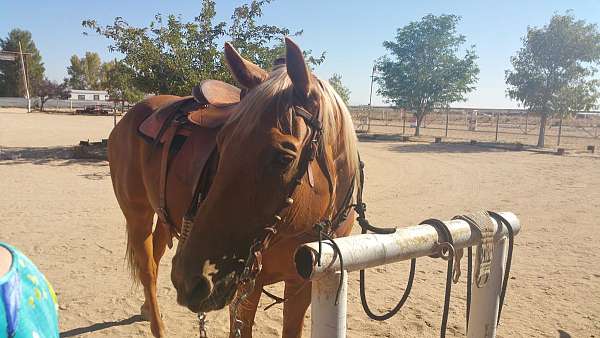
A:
210, 106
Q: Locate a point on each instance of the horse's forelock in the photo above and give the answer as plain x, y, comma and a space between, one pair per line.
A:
276, 95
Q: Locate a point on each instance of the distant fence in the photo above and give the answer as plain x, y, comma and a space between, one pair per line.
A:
504, 125
53, 104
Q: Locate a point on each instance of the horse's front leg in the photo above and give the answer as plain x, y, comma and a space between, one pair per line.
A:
297, 295
245, 312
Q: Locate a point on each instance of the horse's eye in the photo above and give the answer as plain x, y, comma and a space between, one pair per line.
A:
283, 160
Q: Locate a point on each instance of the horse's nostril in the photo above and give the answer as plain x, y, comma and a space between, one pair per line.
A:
201, 290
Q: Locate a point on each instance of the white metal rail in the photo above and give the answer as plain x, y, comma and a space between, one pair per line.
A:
370, 250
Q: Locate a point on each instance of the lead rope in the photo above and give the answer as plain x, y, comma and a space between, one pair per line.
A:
360, 207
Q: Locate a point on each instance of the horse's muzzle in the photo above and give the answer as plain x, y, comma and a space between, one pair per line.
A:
204, 297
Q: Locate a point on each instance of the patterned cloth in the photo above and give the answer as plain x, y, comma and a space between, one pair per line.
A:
28, 307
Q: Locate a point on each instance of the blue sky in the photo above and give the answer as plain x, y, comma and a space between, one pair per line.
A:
351, 32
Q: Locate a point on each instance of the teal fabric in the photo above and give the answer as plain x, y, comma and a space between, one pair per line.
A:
28, 307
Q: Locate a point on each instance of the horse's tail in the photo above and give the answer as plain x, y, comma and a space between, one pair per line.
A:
133, 267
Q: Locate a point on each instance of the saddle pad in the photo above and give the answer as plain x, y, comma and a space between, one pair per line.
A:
154, 124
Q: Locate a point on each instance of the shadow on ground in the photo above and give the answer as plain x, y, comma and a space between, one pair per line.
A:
58, 156
462, 148
563, 334
101, 326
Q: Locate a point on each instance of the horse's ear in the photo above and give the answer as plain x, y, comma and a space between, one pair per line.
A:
297, 69
245, 72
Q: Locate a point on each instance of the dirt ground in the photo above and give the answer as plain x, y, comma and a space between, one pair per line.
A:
62, 213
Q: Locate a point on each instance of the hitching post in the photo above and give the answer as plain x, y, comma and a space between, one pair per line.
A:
370, 250
331, 318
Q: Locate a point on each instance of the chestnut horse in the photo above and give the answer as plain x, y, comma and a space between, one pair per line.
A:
287, 161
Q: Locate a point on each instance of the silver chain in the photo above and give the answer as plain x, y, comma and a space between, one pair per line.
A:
202, 321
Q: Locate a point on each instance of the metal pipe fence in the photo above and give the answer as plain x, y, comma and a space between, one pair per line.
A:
498, 125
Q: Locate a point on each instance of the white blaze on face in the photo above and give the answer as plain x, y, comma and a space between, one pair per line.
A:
209, 269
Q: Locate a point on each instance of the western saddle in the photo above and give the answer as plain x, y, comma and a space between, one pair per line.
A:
186, 129
210, 106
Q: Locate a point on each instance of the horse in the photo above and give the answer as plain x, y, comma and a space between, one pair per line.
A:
284, 174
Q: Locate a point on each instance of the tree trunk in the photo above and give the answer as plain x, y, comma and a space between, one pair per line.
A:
543, 119
42, 101
419, 121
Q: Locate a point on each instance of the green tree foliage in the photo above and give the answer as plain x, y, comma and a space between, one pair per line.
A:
118, 81
336, 82
171, 55
424, 70
553, 72
85, 72
261, 44
11, 74
51, 89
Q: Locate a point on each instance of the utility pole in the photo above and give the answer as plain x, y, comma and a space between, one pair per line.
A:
372, 80
25, 79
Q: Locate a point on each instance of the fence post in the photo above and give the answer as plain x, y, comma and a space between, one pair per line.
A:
527, 122
483, 316
328, 320
559, 130
403, 121
497, 124
447, 120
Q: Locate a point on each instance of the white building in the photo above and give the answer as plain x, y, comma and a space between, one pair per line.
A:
88, 95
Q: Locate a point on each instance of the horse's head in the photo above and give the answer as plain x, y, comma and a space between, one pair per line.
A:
261, 181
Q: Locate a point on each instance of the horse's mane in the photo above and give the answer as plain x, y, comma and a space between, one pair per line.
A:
275, 96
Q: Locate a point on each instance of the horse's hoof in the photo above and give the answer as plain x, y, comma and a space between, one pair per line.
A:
159, 333
145, 312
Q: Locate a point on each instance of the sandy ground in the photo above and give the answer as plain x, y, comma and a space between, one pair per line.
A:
62, 213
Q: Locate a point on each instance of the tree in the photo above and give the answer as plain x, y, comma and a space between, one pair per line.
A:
118, 81
424, 70
170, 56
85, 72
11, 73
51, 89
261, 44
336, 82
552, 73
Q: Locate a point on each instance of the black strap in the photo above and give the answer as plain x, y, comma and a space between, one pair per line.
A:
361, 207
448, 247
399, 305
511, 238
